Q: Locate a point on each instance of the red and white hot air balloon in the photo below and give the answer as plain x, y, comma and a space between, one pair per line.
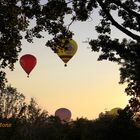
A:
64, 114
28, 62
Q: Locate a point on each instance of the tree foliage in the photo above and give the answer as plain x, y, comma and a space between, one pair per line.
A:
25, 121
103, 128
16, 15
12, 103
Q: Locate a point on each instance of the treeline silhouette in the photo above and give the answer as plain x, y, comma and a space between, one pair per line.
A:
22, 121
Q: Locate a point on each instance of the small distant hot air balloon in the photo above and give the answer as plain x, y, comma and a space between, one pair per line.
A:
114, 111
28, 62
68, 51
64, 114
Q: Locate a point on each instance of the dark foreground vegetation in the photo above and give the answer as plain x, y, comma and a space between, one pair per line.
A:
22, 121
50, 17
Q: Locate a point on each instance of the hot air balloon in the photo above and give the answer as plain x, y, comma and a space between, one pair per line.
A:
64, 114
28, 62
114, 111
68, 51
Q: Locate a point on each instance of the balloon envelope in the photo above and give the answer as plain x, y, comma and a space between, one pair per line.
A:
114, 111
68, 51
28, 62
64, 114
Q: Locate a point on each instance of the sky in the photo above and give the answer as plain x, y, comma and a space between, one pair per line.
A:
86, 86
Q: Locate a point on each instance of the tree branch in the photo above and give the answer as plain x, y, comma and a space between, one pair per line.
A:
127, 9
131, 12
124, 30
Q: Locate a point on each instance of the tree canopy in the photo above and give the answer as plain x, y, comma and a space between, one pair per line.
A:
49, 16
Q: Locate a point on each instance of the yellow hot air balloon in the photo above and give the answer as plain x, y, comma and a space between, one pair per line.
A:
114, 111
68, 51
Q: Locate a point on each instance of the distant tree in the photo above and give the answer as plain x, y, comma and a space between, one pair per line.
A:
12, 108
101, 126
80, 129
16, 15
124, 127
34, 113
32, 123
23, 119
12, 103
